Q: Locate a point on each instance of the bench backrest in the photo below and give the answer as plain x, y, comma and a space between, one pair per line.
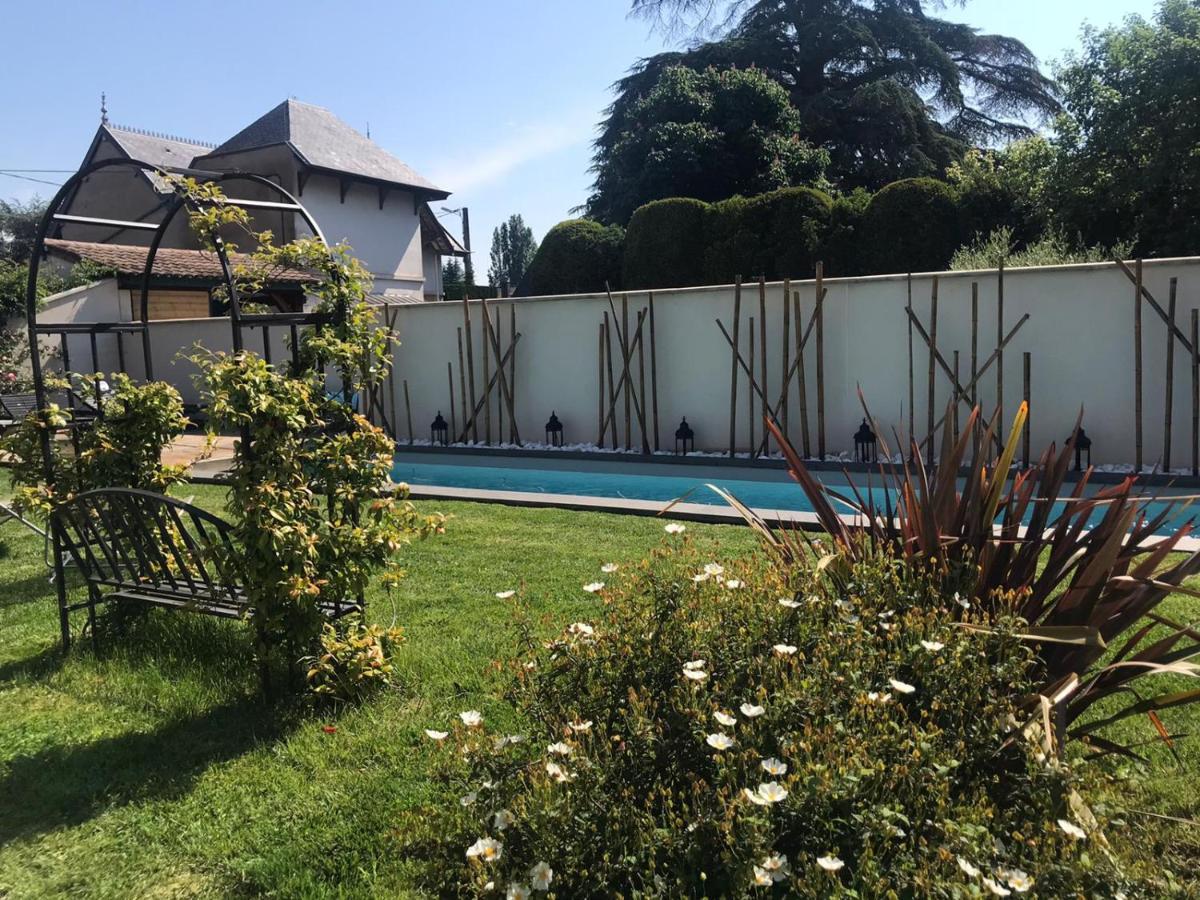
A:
139, 541
16, 407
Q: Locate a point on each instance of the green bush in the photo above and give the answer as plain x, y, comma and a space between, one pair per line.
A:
843, 249
577, 256
721, 731
913, 225
1052, 249
664, 244
354, 660
731, 243
793, 225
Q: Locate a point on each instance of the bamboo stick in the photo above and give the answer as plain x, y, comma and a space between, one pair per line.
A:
462, 376
762, 346
612, 391
485, 325
450, 381
620, 384
999, 338
820, 361
641, 349
1170, 399
514, 432
494, 331
600, 382
408, 412
512, 347
653, 372
787, 350
974, 362
1154, 304
912, 396
1137, 368
624, 336
737, 319
931, 387
750, 394
802, 379
1029, 414
956, 397
1195, 393
470, 362
493, 336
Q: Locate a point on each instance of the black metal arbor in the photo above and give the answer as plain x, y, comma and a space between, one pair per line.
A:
85, 412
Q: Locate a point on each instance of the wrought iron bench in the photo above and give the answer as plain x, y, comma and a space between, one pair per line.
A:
138, 546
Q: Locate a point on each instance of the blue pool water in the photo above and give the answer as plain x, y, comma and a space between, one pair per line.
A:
764, 489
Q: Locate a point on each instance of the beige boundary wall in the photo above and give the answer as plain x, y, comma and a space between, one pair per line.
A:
1079, 334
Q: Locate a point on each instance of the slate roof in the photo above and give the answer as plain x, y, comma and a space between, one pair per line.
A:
323, 141
169, 262
159, 149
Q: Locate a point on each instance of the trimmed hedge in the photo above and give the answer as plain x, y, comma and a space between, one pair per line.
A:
578, 256
914, 225
779, 234
664, 244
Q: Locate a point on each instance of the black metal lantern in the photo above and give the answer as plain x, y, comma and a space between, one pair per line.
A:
865, 444
1083, 444
683, 437
554, 431
439, 431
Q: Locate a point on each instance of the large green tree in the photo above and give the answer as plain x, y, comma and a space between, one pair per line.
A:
707, 134
1128, 163
888, 89
513, 248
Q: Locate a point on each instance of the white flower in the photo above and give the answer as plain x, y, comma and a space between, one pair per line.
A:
541, 875
468, 799
581, 628
581, 726
1017, 880
699, 577
714, 569
969, 870
789, 603
594, 587
560, 748
485, 850
608, 569
965, 604
471, 718
501, 819
829, 863
504, 595
733, 584
998, 889
674, 528
557, 772
436, 735
775, 865
762, 878
501, 742
725, 718
750, 711
773, 766
932, 646
784, 649
695, 664
901, 687
516, 892
1072, 829
877, 697
695, 674
771, 792
719, 741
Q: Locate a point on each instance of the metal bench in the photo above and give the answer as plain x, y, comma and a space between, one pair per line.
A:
137, 546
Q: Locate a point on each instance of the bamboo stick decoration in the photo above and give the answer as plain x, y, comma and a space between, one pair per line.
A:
624, 336
974, 361
408, 412
912, 396
612, 388
514, 433
487, 372
733, 374
491, 384
470, 362
1195, 393
627, 374
820, 361
494, 337
600, 381
787, 350
802, 378
1170, 399
1029, 415
762, 346
931, 387
641, 348
1000, 339
956, 398
450, 382
1137, 367
653, 372
750, 394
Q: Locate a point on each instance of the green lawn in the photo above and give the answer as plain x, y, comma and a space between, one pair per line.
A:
153, 769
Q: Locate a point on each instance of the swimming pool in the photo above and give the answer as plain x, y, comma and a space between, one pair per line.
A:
764, 489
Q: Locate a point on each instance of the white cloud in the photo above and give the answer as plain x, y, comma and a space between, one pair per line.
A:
490, 160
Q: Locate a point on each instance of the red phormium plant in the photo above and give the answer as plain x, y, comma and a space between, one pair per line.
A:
1087, 572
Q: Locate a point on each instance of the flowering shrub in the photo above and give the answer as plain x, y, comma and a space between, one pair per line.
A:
354, 660
748, 730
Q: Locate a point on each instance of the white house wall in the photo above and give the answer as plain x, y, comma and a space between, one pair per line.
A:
1079, 335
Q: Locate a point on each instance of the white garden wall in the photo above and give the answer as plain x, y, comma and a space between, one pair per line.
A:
1079, 335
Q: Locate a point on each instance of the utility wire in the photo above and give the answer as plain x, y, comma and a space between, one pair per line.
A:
13, 174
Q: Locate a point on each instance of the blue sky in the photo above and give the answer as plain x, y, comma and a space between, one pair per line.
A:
495, 100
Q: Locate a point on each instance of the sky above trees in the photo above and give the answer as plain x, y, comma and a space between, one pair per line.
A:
497, 102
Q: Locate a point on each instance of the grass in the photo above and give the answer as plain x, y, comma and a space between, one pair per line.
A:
152, 769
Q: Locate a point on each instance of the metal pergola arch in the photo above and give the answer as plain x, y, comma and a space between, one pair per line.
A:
238, 320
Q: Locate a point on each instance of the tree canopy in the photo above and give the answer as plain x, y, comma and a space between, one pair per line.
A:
705, 134
888, 90
513, 248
